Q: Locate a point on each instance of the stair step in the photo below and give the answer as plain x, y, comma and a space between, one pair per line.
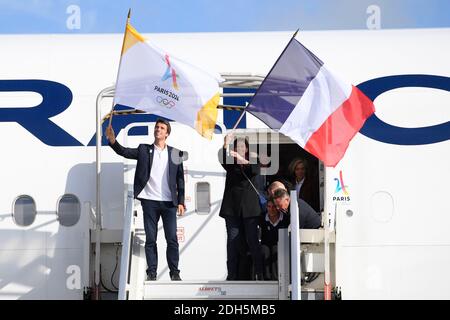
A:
211, 290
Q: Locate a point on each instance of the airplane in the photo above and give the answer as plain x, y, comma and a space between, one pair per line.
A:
69, 227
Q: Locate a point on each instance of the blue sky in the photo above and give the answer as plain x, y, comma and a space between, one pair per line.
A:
108, 16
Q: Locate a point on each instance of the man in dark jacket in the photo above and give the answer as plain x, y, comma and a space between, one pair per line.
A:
308, 217
159, 185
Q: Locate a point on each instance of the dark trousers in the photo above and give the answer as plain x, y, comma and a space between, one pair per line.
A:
270, 254
152, 211
236, 227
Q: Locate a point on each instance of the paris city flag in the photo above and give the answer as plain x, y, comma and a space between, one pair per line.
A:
152, 80
308, 103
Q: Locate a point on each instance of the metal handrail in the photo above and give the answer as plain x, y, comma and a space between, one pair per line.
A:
126, 247
98, 224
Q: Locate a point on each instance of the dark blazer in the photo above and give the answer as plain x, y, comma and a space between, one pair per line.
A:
309, 192
144, 156
239, 197
308, 217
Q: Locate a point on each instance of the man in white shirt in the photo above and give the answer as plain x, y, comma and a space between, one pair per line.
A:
159, 185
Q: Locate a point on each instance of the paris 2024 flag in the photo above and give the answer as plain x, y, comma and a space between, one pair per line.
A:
152, 80
306, 102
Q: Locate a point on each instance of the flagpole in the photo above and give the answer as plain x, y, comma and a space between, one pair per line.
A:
243, 111
238, 120
120, 63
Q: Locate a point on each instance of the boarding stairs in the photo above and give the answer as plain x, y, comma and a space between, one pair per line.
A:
132, 284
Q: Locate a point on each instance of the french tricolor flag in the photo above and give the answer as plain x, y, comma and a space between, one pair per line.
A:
306, 102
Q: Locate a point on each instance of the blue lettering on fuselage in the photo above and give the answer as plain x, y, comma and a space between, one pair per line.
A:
57, 97
377, 129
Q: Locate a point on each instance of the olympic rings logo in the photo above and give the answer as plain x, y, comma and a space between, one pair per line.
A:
165, 102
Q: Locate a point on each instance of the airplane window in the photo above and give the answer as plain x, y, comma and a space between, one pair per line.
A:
24, 210
69, 210
203, 198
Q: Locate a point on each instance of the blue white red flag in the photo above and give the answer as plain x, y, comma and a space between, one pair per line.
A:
305, 101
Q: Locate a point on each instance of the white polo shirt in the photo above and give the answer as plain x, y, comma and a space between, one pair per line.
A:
157, 187
280, 217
